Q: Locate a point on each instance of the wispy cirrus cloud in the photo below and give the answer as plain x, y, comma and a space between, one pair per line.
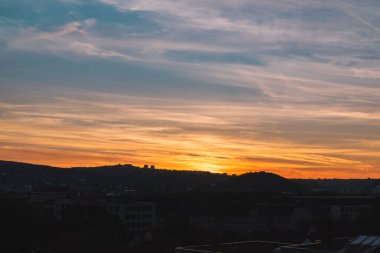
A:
216, 136
289, 86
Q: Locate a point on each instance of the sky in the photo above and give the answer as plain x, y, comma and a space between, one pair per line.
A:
291, 86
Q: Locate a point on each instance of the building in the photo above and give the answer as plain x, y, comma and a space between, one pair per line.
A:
136, 216
336, 207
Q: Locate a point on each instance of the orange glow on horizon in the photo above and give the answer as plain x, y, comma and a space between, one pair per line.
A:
68, 159
200, 138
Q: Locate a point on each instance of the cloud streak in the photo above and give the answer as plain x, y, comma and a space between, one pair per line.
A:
287, 86
209, 136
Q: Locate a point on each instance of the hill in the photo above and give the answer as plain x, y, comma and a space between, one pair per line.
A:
107, 176
261, 182
142, 179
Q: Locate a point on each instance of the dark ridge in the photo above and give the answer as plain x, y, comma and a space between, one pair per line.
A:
126, 175
261, 182
143, 179
25, 167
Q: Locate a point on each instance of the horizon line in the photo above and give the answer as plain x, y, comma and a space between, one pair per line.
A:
181, 170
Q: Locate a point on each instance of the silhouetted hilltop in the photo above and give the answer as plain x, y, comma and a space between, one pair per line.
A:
138, 178
125, 175
24, 173
261, 182
25, 167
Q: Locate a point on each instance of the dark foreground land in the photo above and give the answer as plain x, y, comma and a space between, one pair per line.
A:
124, 208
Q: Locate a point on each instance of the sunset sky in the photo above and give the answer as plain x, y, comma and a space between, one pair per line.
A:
288, 86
